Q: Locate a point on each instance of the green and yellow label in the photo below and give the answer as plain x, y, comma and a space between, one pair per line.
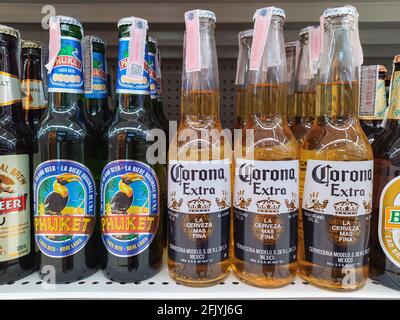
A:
394, 100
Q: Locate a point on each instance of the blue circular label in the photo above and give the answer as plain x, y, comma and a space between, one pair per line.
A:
64, 207
130, 207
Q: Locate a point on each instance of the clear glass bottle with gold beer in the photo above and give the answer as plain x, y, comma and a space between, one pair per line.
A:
291, 49
199, 196
337, 176
267, 169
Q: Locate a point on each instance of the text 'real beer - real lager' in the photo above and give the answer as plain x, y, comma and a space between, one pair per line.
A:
16, 241
242, 64
132, 183
96, 86
266, 188
64, 187
385, 224
337, 175
373, 102
199, 188
33, 100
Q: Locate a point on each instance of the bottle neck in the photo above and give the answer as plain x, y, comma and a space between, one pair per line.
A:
200, 89
266, 91
305, 81
31, 64
338, 85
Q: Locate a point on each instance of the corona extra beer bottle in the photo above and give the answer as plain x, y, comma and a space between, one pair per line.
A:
132, 202
305, 88
266, 188
96, 87
372, 100
245, 40
64, 188
199, 188
336, 203
16, 241
33, 100
385, 231
291, 49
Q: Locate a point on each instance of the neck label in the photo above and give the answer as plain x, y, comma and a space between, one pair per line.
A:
32, 94
394, 98
152, 74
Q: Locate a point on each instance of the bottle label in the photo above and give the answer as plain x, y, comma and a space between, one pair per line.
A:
95, 74
67, 72
152, 75
10, 89
64, 207
372, 94
394, 98
266, 205
130, 207
15, 213
124, 83
32, 94
337, 205
389, 221
199, 203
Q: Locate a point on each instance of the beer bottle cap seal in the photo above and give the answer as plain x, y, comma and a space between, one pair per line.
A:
382, 68
31, 44
304, 31
340, 11
396, 58
275, 12
152, 40
127, 21
70, 20
245, 34
9, 30
96, 39
291, 44
201, 14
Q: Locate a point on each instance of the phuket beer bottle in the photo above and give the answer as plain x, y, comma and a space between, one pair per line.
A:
242, 65
33, 101
373, 100
132, 202
199, 188
337, 171
384, 259
266, 188
16, 241
64, 188
96, 86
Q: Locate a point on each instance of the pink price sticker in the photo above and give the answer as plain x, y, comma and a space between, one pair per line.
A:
261, 29
314, 43
54, 42
136, 48
192, 48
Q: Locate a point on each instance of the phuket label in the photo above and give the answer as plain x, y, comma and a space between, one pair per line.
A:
15, 220
130, 207
67, 72
125, 84
64, 207
98, 87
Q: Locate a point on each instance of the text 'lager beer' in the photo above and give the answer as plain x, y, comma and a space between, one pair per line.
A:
199, 188
96, 86
337, 175
132, 183
266, 187
245, 40
64, 188
385, 225
33, 101
16, 241
373, 100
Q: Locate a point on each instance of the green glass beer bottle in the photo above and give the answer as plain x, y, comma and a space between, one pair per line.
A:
33, 102
64, 180
96, 87
131, 199
16, 241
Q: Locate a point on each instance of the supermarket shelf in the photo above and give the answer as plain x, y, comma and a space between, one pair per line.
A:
162, 287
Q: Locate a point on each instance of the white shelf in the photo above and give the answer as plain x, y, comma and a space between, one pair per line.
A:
163, 287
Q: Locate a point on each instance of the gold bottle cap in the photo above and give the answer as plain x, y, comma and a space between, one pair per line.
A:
9, 30
382, 68
96, 40
396, 58
31, 44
